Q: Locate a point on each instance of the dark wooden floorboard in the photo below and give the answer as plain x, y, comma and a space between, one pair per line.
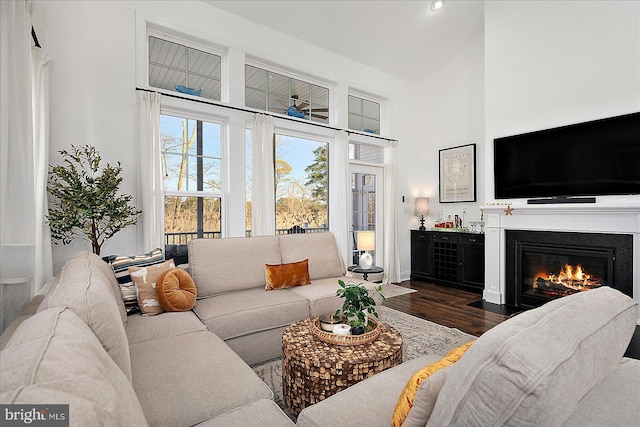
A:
445, 306
449, 307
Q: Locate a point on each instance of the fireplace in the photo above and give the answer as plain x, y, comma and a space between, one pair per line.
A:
543, 265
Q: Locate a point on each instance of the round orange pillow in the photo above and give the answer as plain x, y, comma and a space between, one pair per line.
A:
176, 290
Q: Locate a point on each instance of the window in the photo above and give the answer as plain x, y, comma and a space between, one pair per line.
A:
173, 66
366, 153
277, 93
364, 115
191, 164
301, 178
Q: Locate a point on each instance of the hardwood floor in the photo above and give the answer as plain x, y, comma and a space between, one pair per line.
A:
450, 307
446, 306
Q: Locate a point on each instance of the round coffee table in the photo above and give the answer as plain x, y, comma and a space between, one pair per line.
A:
313, 370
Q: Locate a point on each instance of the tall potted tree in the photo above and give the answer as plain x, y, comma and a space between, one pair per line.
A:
84, 199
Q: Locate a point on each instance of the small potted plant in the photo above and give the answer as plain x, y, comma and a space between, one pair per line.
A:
359, 303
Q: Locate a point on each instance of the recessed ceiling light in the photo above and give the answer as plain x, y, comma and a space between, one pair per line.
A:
436, 5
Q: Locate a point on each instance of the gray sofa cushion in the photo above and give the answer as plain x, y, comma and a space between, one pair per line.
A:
141, 328
425, 398
231, 264
319, 248
321, 294
85, 290
54, 358
189, 378
261, 413
349, 407
29, 310
235, 314
534, 368
106, 269
614, 402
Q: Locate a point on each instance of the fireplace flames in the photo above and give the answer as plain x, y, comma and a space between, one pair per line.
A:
569, 280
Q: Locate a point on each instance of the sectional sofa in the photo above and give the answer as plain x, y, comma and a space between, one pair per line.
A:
560, 364
75, 344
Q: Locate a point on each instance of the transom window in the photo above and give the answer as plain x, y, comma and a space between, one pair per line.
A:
180, 68
277, 93
191, 164
366, 153
364, 115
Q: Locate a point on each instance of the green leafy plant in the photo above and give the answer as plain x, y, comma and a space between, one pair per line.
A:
358, 301
84, 200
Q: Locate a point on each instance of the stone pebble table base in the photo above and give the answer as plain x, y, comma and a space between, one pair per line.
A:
313, 370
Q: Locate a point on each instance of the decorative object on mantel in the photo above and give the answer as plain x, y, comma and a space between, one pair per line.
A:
422, 209
359, 303
509, 210
85, 201
458, 174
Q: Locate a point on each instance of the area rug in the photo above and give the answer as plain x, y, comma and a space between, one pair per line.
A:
394, 290
419, 336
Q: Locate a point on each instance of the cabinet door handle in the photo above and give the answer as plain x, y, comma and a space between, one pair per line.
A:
472, 240
421, 236
445, 238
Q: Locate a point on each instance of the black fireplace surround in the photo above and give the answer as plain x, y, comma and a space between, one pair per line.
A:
608, 258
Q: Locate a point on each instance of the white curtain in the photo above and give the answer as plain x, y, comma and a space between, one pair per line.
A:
391, 245
17, 195
43, 266
338, 191
263, 215
150, 189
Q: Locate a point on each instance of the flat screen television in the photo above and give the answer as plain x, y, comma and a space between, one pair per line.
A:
601, 157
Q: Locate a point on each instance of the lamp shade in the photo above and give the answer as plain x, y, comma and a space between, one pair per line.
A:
422, 206
366, 240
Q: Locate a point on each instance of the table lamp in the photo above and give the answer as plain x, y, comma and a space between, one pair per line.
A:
366, 242
422, 209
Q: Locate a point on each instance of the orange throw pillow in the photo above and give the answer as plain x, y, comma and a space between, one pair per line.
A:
405, 401
176, 290
280, 276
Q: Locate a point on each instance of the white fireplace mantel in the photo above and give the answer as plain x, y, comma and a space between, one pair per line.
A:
587, 218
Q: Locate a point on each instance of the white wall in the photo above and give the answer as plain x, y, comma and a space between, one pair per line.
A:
540, 64
92, 44
451, 113
553, 63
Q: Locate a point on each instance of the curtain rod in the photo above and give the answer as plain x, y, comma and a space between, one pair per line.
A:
247, 110
34, 37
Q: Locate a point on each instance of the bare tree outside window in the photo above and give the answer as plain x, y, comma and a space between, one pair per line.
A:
301, 184
192, 178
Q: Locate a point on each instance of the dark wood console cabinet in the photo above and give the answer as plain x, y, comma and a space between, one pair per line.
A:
448, 258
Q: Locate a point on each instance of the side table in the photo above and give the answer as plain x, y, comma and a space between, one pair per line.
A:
365, 271
313, 370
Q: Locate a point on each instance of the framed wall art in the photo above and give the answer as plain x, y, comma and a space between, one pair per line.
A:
458, 174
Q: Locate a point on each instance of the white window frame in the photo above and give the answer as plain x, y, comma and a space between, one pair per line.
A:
292, 129
181, 108
147, 26
254, 62
369, 97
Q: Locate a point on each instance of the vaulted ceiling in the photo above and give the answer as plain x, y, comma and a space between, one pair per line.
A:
401, 38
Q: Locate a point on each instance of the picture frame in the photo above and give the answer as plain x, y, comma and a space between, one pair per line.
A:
457, 168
